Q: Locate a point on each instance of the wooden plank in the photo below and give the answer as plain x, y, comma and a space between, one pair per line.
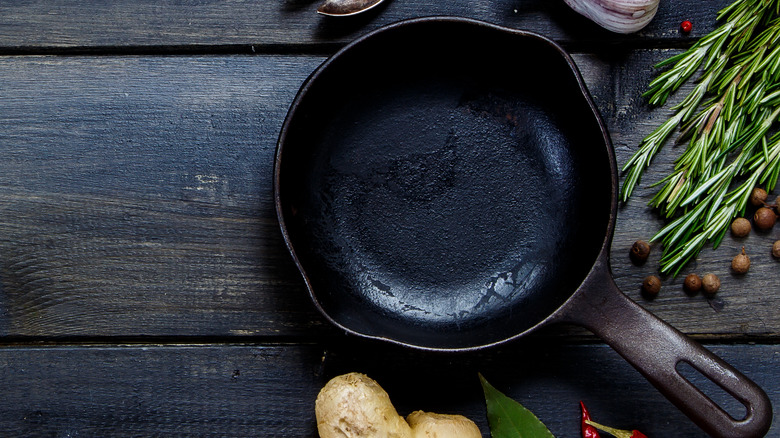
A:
136, 201
36, 25
233, 390
136, 193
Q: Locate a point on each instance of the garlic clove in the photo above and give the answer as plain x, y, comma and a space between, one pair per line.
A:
620, 16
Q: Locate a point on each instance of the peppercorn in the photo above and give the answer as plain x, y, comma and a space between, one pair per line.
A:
776, 249
740, 227
640, 250
692, 283
764, 218
710, 284
686, 26
651, 286
758, 197
740, 263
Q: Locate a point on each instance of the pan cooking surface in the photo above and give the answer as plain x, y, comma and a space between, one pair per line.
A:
443, 205
447, 207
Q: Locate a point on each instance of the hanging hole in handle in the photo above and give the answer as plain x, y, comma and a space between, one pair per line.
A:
716, 393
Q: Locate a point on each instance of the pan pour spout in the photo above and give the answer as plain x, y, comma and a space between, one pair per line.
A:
340, 8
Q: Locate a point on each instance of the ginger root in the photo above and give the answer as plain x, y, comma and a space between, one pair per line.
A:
355, 406
430, 425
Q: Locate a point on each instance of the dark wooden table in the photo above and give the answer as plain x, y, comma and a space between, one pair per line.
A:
144, 285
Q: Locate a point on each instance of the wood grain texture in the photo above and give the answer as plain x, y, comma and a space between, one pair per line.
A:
30, 25
136, 201
136, 193
269, 391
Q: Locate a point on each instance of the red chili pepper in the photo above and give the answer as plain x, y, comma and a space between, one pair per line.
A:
588, 431
686, 26
616, 432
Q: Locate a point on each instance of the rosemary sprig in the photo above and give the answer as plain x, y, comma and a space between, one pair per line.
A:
727, 122
711, 217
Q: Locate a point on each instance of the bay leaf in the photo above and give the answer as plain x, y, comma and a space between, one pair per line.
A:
510, 419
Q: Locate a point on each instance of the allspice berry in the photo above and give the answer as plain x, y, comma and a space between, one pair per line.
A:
776, 249
710, 284
640, 250
758, 197
740, 227
764, 218
651, 286
692, 284
740, 264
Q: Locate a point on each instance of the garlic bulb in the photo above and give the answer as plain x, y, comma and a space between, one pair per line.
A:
621, 16
340, 8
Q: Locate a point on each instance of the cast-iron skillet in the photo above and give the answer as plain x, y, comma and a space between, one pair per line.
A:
448, 184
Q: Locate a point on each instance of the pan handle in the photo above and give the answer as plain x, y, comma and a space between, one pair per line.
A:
655, 349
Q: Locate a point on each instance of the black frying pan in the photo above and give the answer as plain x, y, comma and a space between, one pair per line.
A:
448, 184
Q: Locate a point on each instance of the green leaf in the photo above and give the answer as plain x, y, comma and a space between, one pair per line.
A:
510, 419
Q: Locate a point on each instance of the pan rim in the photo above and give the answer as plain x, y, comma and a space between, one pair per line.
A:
602, 255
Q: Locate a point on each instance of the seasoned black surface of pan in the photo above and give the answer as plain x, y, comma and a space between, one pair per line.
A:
447, 184
442, 180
